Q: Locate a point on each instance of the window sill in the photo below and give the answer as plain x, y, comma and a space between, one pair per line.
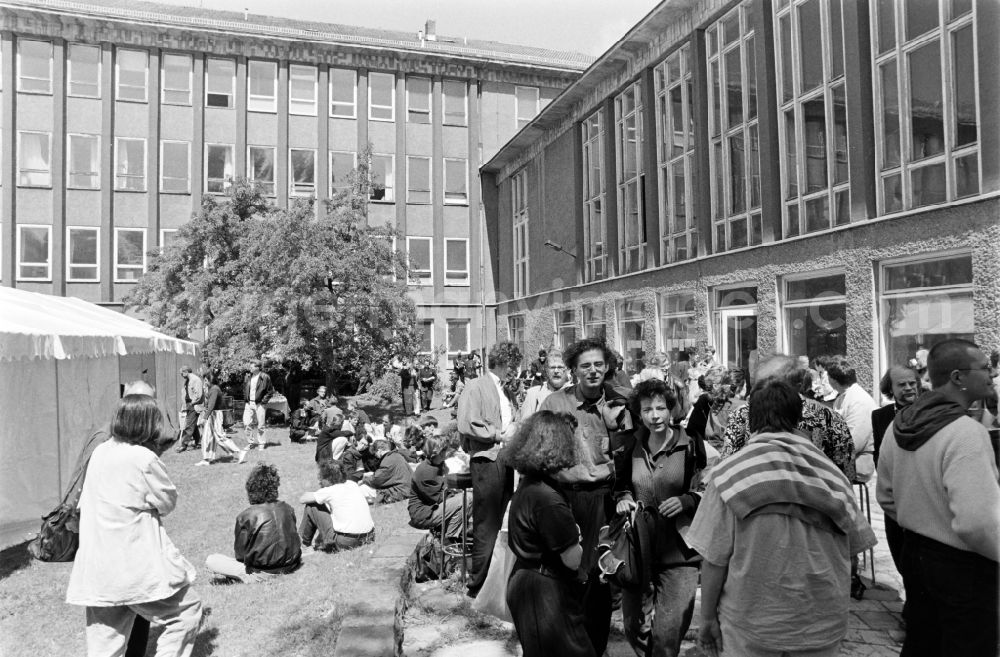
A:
371, 118
381, 202
175, 193
174, 104
131, 191
33, 280
467, 284
83, 280
35, 93
35, 186
419, 203
457, 203
256, 111
312, 113
352, 117
83, 96
144, 101
456, 125
84, 189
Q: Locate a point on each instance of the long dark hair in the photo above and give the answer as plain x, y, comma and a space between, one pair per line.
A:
137, 420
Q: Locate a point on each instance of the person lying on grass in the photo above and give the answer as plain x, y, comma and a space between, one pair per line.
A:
266, 542
337, 512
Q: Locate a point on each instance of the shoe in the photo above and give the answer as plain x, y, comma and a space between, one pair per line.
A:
307, 550
203, 462
243, 456
858, 587
181, 448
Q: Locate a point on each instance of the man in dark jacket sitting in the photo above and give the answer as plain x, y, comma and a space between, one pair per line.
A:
267, 540
391, 480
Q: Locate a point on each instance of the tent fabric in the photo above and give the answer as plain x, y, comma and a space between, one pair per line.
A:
41, 326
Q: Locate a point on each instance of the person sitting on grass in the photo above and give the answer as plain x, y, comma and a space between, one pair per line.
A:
337, 515
298, 428
332, 439
427, 509
352, 460
391, 481
266, 541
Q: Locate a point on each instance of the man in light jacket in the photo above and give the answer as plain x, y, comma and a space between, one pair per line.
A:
855, 405
485, 420
194, 403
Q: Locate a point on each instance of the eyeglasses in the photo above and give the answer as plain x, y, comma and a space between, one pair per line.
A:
985, 368
586, 367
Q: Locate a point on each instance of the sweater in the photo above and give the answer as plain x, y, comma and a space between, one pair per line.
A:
392, 479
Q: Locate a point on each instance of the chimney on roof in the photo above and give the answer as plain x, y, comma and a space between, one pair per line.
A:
246, 13
430, 30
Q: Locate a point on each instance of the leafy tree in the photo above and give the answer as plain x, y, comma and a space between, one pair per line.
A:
319, 293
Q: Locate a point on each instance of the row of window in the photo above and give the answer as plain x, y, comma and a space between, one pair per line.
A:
921, 300
34, 168
83, 79
456, 336
925, 104
420, 251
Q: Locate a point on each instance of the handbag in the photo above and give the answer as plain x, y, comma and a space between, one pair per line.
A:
492, 596
625, 548
59, 537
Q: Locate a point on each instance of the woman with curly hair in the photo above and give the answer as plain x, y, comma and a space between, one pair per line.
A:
543, 593
711, 412
266, 539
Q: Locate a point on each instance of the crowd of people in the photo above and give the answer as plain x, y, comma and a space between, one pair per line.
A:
740, 482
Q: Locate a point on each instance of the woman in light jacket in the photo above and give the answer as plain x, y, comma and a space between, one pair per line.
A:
213, 434
126, 564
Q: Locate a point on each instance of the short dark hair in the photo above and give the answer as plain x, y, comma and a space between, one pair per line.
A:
572, 354
544, 444
774, 405
330, 472
504, 353
885, 383
649, 389
947, 356
137, 420
437, 447
840, 370
262, 484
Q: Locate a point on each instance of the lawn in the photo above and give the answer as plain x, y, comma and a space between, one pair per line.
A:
297, 615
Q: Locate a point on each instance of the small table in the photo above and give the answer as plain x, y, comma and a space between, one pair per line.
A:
463, 481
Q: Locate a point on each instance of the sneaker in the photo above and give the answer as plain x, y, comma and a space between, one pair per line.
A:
243, 456
182, 447
203, 462
308, 550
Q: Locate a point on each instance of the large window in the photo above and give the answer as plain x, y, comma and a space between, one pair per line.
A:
302, 170
34, 252
82, 254
34, 66
343, 93
675, 156
262, 86
525, 105
924, 301
631, 180
418, 100
83, 158
456, 106
519, 203
418, 179
218, 168
456, 181
594, 220
132, 68
175, 167
813, 120
260, 167
677, 323
220, 82
815, 314
130, 254
341, 166
426, 336
381, 96
632, 333
458, 336
516, 333
565, 328
927, 105
734, 155
456, 261
130, 164
176, 79
83, 74
383, 177
302, 84
595, 321
419, 251
34, 159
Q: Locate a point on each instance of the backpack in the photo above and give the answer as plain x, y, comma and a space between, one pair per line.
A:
625, 548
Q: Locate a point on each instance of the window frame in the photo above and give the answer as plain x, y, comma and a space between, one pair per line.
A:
48, 159
590, 322
301, 189
118, 266
95, 155
70, 47
595, 259
340, 103
519, 121
413, 113
559, 326
96, 278
163, 168
631, 257
20, 76
304, 108
231, 94
226, 184
465, 280
165, 90
423, 281
784, 305
262, 103
269, 187
48, 262
163, 235
467, 324
521, 233
411, 191
126, 176
372, 75
118, 76
389, 195
465, 102
464, 200
664, 315
332, 189
423, 322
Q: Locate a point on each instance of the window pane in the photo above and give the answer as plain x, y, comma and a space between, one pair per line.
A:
929, 185
342, 89
837, 39
34, 244
842, 201
953, 270
456, 260
418, 180
454, 102
926, 110
734, 88
83, 167
527, 103
892, 193
737, 175
82, 253
886, 24
84, 70
458, 336
967, 176
341, 166
426, 335
420, 257
791, 152
840, 146
814, 124
130, 169
913, 323
302, 89
787, 74
418, 100
35, 64
177, 79
810, 49
303, 170
262, 79
261, 165
813, 288
382, 178
129, 254
220, 75
34, 168
890, 116
820, 329
966, 129
817, 214
132, 74
176, 162
381, 89
737, 296
920, 16
219, 168
454, 181
738, 234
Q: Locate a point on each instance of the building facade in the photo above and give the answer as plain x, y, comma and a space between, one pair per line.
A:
800, 176
117, 118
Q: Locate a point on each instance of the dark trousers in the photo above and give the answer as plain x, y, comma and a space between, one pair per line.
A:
492, 488
894, 539
316, 519
190, 435
426, 396
951, 600
591, 509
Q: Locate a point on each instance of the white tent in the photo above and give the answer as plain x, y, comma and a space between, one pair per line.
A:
63, 362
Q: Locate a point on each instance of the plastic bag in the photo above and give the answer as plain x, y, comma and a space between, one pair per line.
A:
492, 598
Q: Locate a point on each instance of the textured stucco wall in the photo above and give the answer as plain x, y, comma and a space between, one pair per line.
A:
856, 251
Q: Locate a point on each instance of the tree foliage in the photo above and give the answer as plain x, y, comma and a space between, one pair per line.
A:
315, 290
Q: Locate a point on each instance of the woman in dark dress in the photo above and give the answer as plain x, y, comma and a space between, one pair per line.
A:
543, 592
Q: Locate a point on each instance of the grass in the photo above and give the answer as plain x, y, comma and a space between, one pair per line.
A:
296, 615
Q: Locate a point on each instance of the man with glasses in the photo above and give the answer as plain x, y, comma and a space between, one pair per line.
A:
937, 478
555, 378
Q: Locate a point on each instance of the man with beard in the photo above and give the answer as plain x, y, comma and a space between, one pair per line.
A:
555, 378
601, 423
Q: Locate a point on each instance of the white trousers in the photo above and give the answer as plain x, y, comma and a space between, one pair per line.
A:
213, 435
108, 628
253, 417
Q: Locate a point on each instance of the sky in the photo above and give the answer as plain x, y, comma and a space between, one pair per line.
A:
587, 26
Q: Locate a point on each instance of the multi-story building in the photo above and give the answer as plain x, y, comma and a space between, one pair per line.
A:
801, 176
116, 118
